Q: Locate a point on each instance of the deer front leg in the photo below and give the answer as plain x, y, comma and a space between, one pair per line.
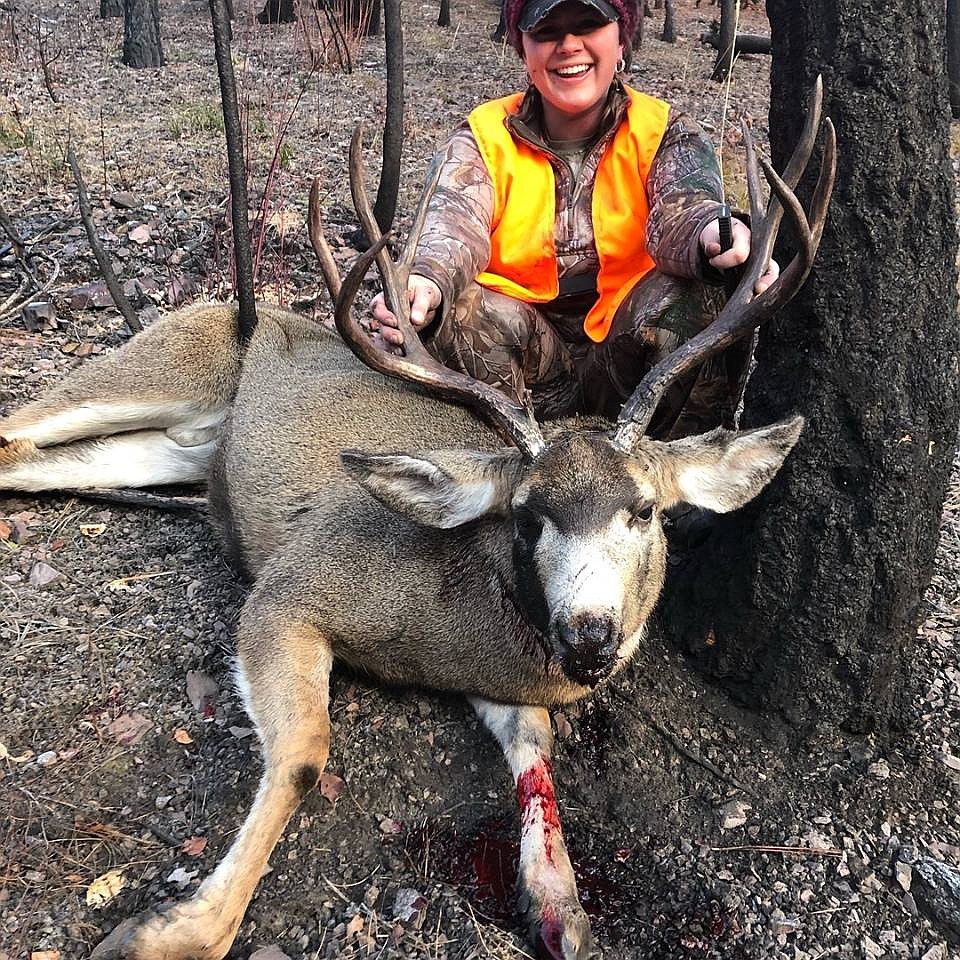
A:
558, 924
284, 675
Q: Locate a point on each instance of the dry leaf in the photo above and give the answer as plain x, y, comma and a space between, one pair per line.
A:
105, 888
390, 826
5, 530
331, 786
5, 754
354, 926
181, 736
44, 955
92, 529
129, 728
194, 846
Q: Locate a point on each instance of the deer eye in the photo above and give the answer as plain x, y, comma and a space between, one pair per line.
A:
641, 514
528, 524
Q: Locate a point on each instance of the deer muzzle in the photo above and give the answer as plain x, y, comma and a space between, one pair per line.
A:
586, 645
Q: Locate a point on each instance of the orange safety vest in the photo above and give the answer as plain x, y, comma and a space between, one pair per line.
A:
523, 255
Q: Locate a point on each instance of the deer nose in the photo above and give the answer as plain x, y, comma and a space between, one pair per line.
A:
587, 645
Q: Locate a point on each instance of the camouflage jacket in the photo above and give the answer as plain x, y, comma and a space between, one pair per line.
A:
683, 189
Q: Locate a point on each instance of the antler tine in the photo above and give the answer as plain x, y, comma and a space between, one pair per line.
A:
394, 286
743, 312
416, 228
767, 227
515, 423
328, 266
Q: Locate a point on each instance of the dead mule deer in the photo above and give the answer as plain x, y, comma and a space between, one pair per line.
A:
555, 543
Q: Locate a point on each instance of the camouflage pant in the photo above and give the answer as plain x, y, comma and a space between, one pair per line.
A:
510, 344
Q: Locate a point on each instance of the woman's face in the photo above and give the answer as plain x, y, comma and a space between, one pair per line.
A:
571, 57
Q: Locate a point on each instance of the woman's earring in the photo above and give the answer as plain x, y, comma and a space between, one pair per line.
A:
621, 65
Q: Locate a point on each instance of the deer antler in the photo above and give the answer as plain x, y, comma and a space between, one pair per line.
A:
743, 311
516, 423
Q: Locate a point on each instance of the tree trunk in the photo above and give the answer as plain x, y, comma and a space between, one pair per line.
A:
141, 33
669, 34
278, 11
953, 55
373, 21
808, 599
500, 31
728, 36
111, 8
386, 205
443, 18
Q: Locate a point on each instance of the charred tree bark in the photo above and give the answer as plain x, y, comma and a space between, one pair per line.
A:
669, 34
386, 205
239, 206
808, 599
443, 17
373, 21
141, 34
111, 8
500, 31
953, 55
278, 11
728, 37
745, 43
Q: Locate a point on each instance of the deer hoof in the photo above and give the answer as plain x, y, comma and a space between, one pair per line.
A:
15, 451
563, 935
175, 932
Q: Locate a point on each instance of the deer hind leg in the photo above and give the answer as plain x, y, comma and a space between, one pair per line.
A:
177, 377
143, 458
558, 924
284, 676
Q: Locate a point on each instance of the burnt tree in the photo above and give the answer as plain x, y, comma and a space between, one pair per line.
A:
111, 8
669, 34
141, 33
386, 205
727, 40
808, 601
953, 55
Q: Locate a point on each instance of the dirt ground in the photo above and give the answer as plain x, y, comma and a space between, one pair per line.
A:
697, 830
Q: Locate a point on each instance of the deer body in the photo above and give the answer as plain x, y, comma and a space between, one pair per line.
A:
471, 568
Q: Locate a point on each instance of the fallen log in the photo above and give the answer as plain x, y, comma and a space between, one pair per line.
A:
746, 42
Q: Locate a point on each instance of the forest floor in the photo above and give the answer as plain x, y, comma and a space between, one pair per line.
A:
697, 829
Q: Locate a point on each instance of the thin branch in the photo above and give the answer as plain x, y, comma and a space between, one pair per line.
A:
103, 261
239, 206
679, 746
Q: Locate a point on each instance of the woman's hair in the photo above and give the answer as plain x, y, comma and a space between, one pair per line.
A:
630, 12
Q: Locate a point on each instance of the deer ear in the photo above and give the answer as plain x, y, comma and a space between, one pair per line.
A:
723, 470
443, 488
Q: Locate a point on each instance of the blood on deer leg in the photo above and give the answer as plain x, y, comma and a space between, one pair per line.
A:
284, 677
558, 924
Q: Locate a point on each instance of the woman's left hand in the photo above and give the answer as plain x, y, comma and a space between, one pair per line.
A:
737, 254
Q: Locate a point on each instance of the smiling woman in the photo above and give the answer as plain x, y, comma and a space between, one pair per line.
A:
573, 238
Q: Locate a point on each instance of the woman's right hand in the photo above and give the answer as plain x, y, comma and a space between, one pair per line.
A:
425, 297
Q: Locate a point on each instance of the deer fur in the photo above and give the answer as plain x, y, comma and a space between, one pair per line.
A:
392, 531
